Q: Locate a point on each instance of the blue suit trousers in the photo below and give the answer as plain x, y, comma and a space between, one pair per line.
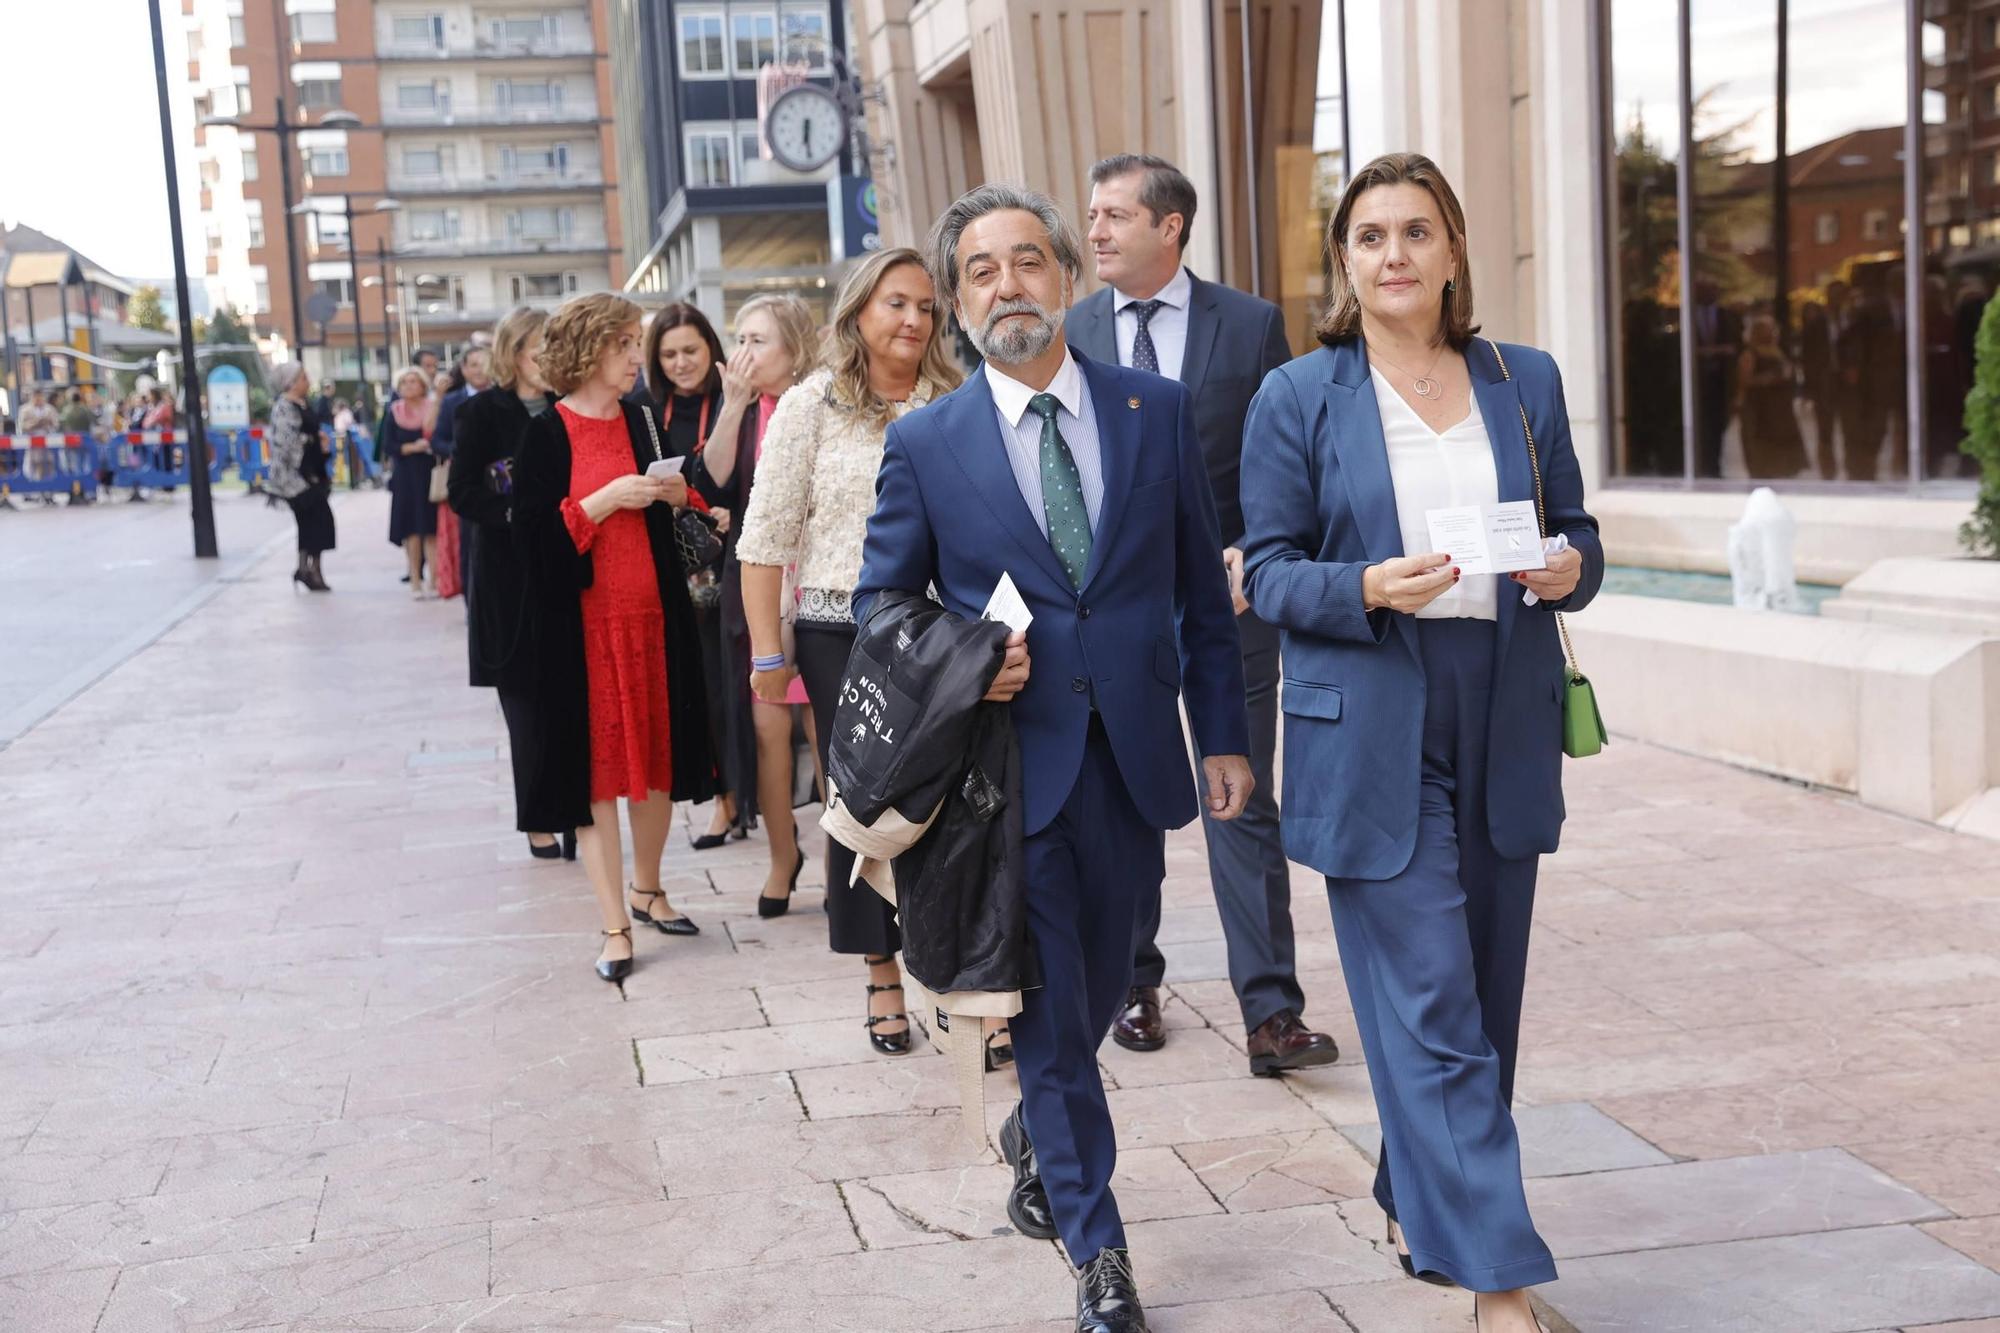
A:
1090, 874
1436, 959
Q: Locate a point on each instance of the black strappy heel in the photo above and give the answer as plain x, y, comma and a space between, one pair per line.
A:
666, 925
616, 969
889, 1043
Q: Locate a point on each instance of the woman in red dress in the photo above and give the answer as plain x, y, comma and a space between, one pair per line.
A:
619, 681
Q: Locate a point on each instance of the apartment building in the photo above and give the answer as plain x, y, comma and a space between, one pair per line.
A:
467, 139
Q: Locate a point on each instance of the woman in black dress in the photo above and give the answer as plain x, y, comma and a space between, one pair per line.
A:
298, 471
684, 380
487, 430
777, 345
405, 438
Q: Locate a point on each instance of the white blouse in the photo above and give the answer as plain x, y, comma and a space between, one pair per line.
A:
1430, 471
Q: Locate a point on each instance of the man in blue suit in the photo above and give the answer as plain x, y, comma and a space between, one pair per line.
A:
1155, 315
1083, 482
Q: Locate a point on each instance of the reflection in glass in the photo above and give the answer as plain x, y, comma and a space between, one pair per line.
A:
1961, 188
1646, 256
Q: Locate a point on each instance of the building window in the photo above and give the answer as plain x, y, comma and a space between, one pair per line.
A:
702, 53
529, 94
253, 223
340, 289
418, 30
543, 286
236, 37
210, 171
534, 161
250, 164
1989, 28
447, 291
540, 224
524, 33
260, 297
423, 161
319, 94
329, 230
1875, 225
807, 35
433, 224
709, 154
424, 96
243, 107
1826, 229
314, 27
756, 41
326, 161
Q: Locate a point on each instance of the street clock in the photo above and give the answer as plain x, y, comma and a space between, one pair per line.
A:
805, 128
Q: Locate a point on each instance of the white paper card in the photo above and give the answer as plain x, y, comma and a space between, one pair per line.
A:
666, 467
1488, 539
1007, 606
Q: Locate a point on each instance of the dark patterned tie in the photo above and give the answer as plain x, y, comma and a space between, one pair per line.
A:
1062, 494
1144, 355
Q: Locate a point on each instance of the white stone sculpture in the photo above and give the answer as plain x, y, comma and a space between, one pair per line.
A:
1761, 568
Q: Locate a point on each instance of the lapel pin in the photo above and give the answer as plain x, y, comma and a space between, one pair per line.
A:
1131, 402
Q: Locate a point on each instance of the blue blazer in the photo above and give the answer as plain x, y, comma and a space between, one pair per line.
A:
1234, 339
1153, 618
1320, 508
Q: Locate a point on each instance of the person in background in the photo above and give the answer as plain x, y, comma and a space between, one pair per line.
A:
1772, 444
298, 471
501, 644
427, 361
322, 403
618, 681
1423, 709
76, 418
40, 417
1157, 316
776, 346
683, 382
472, 374
405, 435
815, 490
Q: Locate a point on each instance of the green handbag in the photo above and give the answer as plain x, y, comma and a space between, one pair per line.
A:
1583, 724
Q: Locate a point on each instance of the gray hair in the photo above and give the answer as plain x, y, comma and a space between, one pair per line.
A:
284, 375
976, 203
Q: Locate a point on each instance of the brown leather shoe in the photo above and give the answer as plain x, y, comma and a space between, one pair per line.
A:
1139, 1027
1283, 1042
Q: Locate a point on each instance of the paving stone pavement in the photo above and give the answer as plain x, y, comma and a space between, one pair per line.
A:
295, 1036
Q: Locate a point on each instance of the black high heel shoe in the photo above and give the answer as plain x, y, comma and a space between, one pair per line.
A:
1410, 1268
616, 969
708, 842
300, 580
569, 845
770, 907
666, 925
890, 1043
541, 853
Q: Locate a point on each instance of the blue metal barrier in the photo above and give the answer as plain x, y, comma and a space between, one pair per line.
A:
61, 464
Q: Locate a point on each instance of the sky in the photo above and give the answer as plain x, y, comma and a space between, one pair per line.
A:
80, 153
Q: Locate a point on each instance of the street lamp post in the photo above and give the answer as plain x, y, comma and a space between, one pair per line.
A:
200, 501
384, 206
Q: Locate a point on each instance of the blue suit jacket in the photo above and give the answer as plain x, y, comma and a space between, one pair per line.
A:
1320, 508
1154, 610
1234, 339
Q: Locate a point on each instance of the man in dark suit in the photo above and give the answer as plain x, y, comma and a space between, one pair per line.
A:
1082, 482
1156, 316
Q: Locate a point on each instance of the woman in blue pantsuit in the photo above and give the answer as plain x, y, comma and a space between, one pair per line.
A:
1423, 704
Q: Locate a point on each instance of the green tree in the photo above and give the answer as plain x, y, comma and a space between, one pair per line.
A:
145, 312
1981, 532
226, 330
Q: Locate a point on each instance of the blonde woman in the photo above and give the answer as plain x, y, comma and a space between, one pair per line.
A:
618, 685
777, 345
405, 436
488, 428
816, 488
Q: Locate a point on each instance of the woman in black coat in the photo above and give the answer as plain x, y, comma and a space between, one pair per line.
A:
574, 500
488, 428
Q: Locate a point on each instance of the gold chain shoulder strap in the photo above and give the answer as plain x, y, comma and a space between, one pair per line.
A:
1541, 513
653, 434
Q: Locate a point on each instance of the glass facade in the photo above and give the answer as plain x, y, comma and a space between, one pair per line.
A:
1758, 170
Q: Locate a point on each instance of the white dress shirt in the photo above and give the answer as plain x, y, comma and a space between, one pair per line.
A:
1022, 431
1169, 324
1430, 471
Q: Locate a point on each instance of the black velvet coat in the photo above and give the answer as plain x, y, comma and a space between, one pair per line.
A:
488, 429
556, 575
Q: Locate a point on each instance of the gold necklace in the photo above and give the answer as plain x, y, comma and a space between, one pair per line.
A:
1426, 386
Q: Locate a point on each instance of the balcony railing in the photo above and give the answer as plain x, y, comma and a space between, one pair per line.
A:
491, 113
580, 241
470, 182
490, 48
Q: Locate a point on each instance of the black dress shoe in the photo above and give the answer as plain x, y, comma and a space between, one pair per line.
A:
1139, 1026
708, 842
569, 845
1107, 1299
770, 907
1410, 1268
544, 851
1028, 1201
616, 969
1282, 1042
666, 925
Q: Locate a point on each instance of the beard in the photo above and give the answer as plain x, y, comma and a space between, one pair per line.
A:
1016, 343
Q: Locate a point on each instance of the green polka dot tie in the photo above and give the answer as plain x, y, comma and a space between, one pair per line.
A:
1062, 494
